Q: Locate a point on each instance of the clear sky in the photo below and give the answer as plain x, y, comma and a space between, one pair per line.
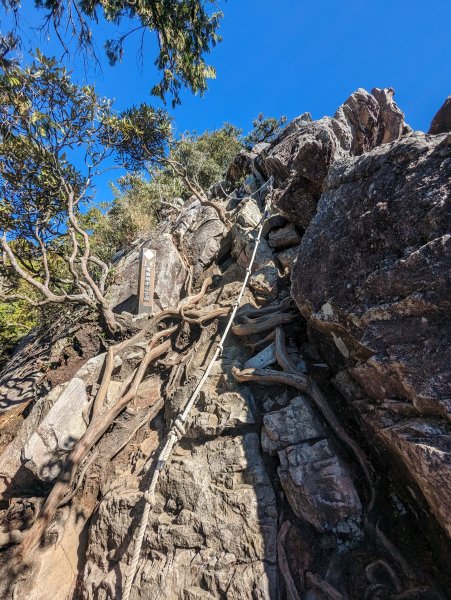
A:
291, 56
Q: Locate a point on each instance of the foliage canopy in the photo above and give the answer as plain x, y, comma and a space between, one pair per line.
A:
186, 30
265, 129
49, 125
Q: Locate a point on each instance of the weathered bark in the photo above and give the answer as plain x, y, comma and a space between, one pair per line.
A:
94, 432
290, 588
109, 319
260, 327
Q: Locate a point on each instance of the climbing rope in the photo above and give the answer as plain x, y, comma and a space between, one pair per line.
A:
177, 430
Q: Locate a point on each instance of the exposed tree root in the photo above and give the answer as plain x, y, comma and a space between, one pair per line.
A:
151, 414
179, 369
268, 338
175, 379
112, 352
99, 424
317, 583
260, 327
292, 593
281, 352
391, 548
416, 592
102, 418
247, 311
69, 496
369, 572
189, 279
262, 319
192, 300
202, 317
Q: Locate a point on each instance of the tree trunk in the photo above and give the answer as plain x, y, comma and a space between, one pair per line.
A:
109, 319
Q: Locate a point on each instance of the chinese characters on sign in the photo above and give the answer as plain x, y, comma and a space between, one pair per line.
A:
146, 281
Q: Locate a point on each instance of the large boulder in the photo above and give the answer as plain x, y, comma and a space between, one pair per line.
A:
316, 480
212, 532
55, 422
318, 485
441, 123
200, 233
371, 278
301, 157
62, 427
170, 275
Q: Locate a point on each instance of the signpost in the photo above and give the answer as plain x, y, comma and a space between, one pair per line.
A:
146, 281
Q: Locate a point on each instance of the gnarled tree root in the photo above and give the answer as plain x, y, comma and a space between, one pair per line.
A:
315, 582
247, 311
262, 326
151, 414
416, 592
292, 593
93, 433
281, 352
69, 496
268, 338
372, 566
113, 351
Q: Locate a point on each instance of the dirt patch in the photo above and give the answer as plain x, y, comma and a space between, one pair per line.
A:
73, 352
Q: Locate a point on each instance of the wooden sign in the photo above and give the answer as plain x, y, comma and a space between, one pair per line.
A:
146, 281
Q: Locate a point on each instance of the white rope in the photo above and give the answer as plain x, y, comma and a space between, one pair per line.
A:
177, 430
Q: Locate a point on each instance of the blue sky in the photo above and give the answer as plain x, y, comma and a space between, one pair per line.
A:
289, 56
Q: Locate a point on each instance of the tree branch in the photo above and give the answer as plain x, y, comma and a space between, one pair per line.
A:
195, 188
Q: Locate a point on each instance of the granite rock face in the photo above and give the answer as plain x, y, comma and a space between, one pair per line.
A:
441, 123
291, 425
300, 158
315, 479
371, 278
170, 276
318, 485
212, 533
59, 431
265, 274
284, 237
260, 499
200, 232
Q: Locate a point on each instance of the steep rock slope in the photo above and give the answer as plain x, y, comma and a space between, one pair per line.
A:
371, 272
371, 276
282, 490
300, 159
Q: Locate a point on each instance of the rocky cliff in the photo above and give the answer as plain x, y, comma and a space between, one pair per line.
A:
316, 461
